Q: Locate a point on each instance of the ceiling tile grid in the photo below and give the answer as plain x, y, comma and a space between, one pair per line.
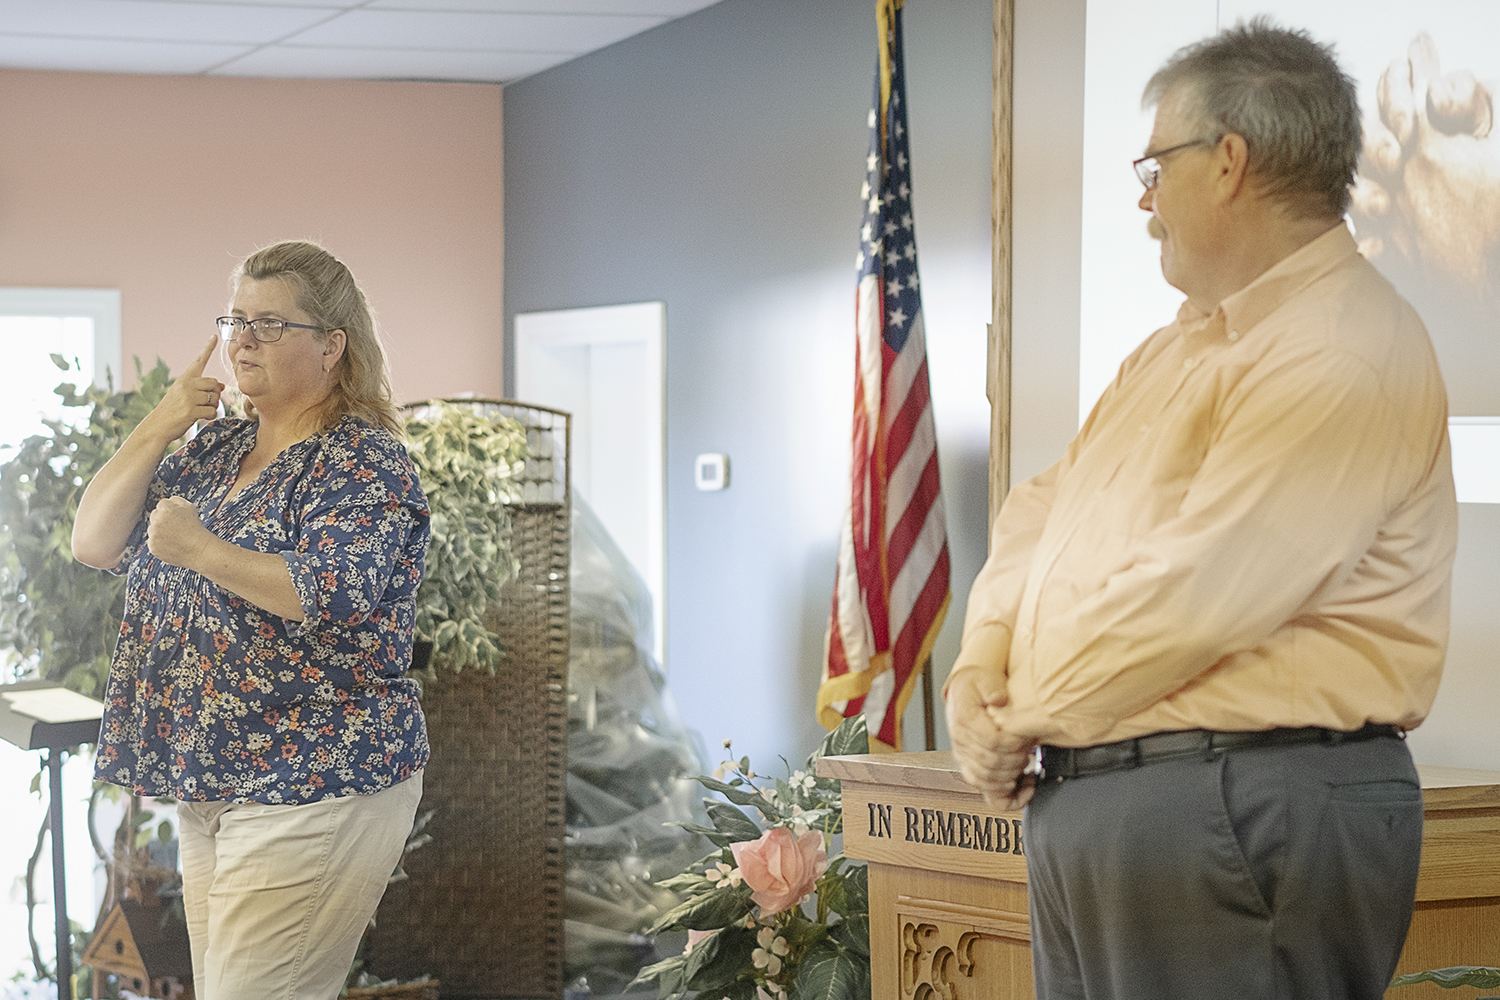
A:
494, 41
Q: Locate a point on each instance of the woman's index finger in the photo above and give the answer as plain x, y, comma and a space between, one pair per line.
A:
195, 367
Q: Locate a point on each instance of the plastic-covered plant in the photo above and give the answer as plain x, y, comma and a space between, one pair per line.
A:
466, 459
59, 618
769, 915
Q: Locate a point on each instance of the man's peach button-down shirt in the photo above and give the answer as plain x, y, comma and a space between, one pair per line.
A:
1254, 528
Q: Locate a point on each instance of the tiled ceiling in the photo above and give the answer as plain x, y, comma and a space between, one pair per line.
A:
477, 40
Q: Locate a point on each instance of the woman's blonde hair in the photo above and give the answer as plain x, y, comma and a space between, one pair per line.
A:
326, 291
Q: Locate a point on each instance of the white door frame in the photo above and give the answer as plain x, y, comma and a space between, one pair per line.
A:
640, 323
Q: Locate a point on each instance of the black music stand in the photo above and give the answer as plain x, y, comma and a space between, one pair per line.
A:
30, 733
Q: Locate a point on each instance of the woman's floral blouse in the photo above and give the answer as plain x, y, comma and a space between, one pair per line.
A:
211, 698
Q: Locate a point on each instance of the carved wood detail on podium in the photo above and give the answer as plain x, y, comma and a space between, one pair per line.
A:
950, 951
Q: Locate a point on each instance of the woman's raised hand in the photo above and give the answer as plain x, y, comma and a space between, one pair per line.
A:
192, 397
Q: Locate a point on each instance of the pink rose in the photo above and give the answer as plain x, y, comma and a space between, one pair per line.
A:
781, 868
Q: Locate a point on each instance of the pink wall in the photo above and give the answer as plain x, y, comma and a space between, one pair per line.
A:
158, 185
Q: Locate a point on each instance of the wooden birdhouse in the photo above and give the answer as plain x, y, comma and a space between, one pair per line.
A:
134, 943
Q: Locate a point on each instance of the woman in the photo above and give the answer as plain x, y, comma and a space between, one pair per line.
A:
259, 677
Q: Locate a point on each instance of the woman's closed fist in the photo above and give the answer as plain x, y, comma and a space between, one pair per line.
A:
174, 534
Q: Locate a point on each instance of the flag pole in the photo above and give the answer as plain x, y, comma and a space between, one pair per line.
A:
885, 19
927, 722
885, 16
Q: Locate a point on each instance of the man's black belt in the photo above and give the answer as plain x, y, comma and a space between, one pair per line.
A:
1077, 762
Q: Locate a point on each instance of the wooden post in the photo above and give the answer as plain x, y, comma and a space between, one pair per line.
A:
998, 368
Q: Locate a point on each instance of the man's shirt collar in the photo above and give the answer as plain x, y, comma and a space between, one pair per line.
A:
1248, 306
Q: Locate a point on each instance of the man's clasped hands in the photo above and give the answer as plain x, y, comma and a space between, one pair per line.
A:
989, 758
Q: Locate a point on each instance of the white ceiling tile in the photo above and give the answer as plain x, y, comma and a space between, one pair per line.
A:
93, 56
331, 5
155, 20
384, 64
637, 8
562, 33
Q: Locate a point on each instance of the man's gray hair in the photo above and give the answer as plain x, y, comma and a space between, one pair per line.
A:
1285, 95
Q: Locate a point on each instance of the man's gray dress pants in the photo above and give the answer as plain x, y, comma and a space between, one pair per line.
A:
1284, 873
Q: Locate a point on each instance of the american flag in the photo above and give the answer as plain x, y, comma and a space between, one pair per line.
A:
891, 592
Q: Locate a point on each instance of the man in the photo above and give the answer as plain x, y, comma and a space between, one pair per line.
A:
1221, 609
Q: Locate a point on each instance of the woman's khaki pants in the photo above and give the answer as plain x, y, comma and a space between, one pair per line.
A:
277, 897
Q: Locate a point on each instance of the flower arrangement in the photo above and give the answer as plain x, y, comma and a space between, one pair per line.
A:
769, 914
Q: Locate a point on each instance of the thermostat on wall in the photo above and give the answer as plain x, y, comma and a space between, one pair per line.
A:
711, 472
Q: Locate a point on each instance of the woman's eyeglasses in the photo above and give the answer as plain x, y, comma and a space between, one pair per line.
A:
267, 331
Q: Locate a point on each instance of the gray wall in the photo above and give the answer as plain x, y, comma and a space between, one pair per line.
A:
714, 163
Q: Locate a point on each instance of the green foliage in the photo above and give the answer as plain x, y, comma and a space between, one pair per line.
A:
853, 933
706, 911
856, 887
731, 821
819, 955
832, 972
1478, 976
716, 963
850, 737
466, 460
59, 618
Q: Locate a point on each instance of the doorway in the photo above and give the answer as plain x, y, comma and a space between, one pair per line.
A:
604, 365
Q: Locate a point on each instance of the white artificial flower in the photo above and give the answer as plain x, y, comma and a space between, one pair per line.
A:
812, 817
769, 794
723, 876
801, 819
771, 951
801, 781
765, 960
725, 767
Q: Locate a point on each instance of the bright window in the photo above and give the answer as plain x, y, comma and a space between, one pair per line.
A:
82, 325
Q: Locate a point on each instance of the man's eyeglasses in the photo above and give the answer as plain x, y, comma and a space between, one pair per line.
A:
267, 331
1148, 167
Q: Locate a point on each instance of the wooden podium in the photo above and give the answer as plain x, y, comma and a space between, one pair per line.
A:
948, 878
